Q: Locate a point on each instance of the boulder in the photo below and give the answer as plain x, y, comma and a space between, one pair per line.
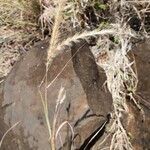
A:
21, 101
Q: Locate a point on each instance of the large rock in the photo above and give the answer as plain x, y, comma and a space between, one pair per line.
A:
137, 124
21, 99
83, 81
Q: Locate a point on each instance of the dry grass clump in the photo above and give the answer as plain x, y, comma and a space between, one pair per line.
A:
20, 16
121, 78
19, 13
88, 14
112, 57
135, 13
18, 30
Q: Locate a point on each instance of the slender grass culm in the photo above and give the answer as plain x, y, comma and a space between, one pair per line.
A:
51, 52
5, 134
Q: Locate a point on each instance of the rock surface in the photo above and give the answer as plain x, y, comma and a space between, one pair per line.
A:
139, 129
21, 100
85, 97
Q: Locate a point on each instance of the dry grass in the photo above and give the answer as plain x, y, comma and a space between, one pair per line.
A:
11, 128
52, 126
19, 13
55, 32
119, 72
51, 53
121, 77
18, 28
